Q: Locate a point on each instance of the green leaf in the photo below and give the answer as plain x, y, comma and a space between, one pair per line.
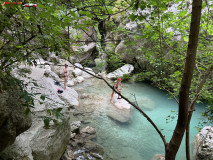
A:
59, 109
27, 111
46, 122
72, 13
42, 97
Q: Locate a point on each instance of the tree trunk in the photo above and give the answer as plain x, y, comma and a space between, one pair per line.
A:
174, 144
192, 108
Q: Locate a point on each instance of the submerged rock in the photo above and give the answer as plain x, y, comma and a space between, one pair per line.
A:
146, 103
120, 72
203, 144
158, 157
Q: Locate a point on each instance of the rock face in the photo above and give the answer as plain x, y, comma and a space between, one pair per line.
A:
13, 120
120, 110
38, 143
84, 52
120, 72
203, 144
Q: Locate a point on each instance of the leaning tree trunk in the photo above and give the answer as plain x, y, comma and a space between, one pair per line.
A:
192, 108
174, 144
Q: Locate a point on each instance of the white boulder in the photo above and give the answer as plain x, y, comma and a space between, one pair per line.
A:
77, 72
124, 70
120, 110
87, 75
70, 83
203, 144
78, 79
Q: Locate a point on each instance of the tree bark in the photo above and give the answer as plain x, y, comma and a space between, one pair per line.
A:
174, 144
192, 108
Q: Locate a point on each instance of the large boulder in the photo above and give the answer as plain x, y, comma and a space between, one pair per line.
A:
203, 144
46, 86
39, 143
83, 52
13, 120
120, 72
87, 75
120, 110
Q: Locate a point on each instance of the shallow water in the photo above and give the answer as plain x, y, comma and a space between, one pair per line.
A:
137, 139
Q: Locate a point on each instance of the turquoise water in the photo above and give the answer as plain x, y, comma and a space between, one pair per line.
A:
137, 139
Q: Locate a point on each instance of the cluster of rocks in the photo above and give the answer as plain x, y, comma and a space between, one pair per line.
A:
80, 145
37, 142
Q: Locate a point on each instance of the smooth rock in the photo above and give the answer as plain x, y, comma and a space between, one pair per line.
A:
78, 65
120, 103
87, 75
120, 72
120, 110
77, 72
78, 79
49, 73
70, 83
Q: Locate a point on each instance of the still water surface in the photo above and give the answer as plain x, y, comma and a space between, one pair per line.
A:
137, 139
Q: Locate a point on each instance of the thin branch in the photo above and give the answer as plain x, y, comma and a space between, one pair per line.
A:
169, 93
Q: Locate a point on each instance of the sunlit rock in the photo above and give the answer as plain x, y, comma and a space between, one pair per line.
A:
77, 72
203, 144
78, 79
87, 75
119, 110
120, 72
70, 83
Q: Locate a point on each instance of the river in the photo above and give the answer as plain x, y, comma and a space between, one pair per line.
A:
136, 139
